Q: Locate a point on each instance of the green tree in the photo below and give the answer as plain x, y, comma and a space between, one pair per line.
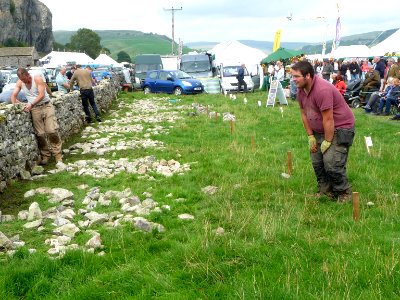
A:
87, 41
123, 56
106, 51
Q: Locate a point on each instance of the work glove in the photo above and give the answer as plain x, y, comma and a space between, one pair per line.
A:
325, 146
312, 143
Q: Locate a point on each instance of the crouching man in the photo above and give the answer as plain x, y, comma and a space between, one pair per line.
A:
42, 111
329, 124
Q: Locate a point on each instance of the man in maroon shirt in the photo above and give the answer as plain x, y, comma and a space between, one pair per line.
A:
329, 123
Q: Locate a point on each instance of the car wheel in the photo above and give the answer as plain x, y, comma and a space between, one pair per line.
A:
146, 90
178, 91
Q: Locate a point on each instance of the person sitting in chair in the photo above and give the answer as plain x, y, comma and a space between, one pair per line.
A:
392, 93
371, 83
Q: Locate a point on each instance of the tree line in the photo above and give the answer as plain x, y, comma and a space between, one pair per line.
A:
88, 41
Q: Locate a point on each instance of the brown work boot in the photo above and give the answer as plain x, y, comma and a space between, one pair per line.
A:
58, 158
345, 196
44, 160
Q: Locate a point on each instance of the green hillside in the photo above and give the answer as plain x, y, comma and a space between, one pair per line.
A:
130, 41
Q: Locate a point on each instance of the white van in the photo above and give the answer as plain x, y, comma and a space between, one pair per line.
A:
229, 82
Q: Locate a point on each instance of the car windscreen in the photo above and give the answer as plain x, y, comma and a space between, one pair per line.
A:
195, 66
145, 68
180, 75
232, 71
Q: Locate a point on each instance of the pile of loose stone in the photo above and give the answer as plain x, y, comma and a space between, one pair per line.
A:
68, 217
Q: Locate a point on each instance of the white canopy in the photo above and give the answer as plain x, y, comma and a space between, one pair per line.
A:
104, 59
55, 59
389, 45
237, 53
351, 51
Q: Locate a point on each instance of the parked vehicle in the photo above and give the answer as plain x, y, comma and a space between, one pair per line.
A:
197, 65
229, 82
11, 83
144, 63
171, 81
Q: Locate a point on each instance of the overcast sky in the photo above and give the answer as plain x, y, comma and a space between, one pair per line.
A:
223, 20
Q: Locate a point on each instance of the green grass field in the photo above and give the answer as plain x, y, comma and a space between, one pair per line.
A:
279, 242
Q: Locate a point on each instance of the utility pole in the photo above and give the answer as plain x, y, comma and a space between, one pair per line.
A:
172, 10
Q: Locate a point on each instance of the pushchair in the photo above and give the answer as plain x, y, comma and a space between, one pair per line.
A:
352, 93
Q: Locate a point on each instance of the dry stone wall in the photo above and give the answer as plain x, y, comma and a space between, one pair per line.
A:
18, 147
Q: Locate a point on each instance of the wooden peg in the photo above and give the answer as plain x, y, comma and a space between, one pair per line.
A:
289, 162
356, 206
253, 145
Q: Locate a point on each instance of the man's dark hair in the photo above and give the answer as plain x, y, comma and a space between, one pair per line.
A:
304, 67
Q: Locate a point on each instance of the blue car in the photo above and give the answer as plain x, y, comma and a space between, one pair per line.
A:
171, 82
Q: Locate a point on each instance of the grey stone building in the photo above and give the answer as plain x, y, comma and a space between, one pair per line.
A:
18, 56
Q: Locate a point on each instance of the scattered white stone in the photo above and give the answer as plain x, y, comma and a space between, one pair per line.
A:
94, 242
166, 207
82, 186
95, 217
5, 242
102, 253
67, 229
23, 215
67, 213
210, 190
33, 224
31, 250
186, 217
34, 212
59, 194
370, 203
219, 231
60, 221
285, 175
169, 195
30, 193
7, 218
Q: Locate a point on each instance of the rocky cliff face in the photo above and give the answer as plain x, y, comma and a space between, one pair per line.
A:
27, 21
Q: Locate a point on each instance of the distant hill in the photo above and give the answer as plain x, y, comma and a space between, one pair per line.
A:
137, 42
130, 41
369, 39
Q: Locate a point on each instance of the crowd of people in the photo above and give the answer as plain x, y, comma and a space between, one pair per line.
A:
378, 80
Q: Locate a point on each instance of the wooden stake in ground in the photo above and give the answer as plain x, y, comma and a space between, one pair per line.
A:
356, 206
232, 126
253, 145
289, 162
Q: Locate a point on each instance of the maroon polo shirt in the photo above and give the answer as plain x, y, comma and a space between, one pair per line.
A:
323, 95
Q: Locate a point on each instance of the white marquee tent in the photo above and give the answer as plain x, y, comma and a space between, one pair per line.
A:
104, 59
389, 45
56, 59
236, 52
351, 51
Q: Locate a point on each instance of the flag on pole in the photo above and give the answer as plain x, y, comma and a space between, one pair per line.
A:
277, 40
338, 29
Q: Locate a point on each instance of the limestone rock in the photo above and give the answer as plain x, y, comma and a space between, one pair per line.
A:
34, 212
33, 224
68, 229
186, 217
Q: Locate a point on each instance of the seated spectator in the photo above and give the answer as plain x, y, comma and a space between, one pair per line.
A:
376, 96
371, 83
340, 84
389, 98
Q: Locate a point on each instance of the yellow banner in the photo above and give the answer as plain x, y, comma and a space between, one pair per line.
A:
277, 40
